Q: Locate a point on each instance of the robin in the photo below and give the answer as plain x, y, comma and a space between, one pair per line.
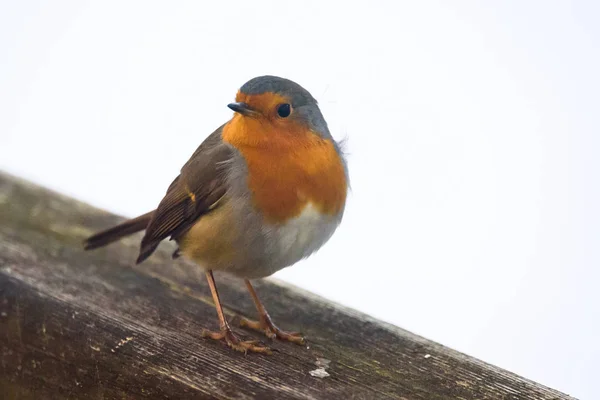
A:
265, 190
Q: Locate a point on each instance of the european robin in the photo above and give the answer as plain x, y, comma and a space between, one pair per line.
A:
265, 190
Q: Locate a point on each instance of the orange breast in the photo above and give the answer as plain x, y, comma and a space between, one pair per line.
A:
288, 168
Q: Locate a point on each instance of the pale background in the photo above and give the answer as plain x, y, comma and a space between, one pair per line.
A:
473, 142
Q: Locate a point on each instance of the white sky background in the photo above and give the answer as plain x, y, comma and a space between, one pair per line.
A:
472, 131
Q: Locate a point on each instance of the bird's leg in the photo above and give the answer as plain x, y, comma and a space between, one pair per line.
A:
225, 333
265, 324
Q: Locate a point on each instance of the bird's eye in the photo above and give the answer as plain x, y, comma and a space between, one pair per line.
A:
284, 110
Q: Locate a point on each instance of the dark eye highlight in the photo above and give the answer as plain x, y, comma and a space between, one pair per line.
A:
284, 110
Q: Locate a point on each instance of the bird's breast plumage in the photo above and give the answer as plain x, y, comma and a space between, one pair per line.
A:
287, 171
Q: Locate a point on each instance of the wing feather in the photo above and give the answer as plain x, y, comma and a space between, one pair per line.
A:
197, 190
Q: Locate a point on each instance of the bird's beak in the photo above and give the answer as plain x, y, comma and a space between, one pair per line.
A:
242, 108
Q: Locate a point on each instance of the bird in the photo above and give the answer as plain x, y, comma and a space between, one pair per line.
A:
265, 190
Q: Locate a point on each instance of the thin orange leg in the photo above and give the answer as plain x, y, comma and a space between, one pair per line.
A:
265, 324
225, 332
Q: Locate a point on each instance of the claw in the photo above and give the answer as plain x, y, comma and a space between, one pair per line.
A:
266, 326
235, 343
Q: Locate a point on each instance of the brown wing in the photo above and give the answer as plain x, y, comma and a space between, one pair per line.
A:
195, 192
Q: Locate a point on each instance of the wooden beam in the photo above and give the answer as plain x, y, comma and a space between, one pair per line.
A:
77, 324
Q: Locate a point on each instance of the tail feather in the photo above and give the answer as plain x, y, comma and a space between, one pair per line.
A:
115, 233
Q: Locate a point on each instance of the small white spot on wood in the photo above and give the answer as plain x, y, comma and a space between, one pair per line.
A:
427, 355
319, 373
322, 362
95, 348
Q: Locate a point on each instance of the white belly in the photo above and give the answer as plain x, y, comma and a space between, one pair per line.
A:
299, 237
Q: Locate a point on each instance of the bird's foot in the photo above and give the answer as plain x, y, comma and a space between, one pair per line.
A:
235, 343
266, 326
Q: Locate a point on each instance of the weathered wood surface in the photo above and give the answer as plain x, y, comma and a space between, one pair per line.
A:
77, 324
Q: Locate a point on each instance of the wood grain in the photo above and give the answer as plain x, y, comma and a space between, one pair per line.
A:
77, 324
